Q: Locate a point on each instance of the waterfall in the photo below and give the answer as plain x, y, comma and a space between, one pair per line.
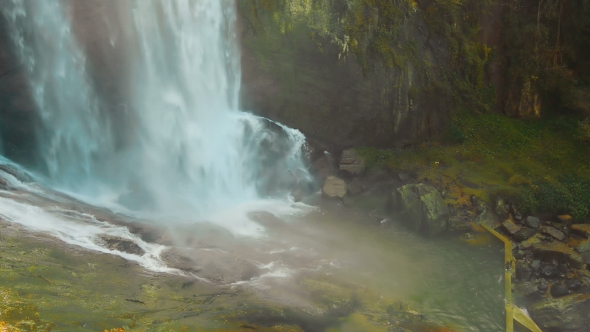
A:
73, 133
191, 151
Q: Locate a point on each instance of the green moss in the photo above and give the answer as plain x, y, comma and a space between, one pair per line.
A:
539, 164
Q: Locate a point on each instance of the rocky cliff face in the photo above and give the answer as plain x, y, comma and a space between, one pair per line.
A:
344, 72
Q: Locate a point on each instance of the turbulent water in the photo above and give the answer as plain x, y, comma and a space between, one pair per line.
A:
191, 153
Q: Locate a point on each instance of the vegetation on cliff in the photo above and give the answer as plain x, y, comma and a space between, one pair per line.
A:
540, 164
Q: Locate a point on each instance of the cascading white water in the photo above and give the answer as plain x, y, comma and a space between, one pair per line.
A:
73, 132
191, 152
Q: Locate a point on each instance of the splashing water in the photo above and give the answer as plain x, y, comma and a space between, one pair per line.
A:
191, 152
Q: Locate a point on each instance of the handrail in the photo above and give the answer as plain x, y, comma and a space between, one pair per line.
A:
512, 312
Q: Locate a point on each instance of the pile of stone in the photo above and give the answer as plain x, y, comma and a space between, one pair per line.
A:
552, 269
338, 183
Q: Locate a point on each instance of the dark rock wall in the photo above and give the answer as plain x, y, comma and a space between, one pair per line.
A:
298, 67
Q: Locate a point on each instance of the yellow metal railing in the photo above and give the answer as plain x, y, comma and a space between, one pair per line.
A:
512, 312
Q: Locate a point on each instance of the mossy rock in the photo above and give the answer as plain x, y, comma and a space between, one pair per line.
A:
565, 314
422, 208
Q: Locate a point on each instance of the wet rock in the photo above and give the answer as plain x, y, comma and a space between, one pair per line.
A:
501, 209
425, 210
20, 175
352, 162
214, 265
523, 271
536, 265
543, 286
565, 219
565, 314
355, 186
176, 259
267, 219
532, 222
527, 288
324, 166
583, 246
548, 270
303, 189
573, 284
486, 218
406, 177
122, 245
559, 251
458, 224
536, 239
478, 204
553, 232
581, 228
524, 234
558, 290
511, 227
334, 187
584, 249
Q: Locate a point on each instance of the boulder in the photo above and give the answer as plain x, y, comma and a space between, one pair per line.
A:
559, 251
532, 222
267, 219
558, 290
19, 174
324, 166
351, 162
524, 234
215, 265
486, 218
334, 187
581, 228
527, 288
565, 219
565, 314
422, 208
122, 245
557, 234
583, 247
355, 186
528, 243
511, 227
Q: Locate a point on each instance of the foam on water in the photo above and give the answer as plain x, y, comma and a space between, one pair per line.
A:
83, 231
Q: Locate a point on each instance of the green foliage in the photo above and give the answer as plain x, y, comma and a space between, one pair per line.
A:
547, 45
537, 163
